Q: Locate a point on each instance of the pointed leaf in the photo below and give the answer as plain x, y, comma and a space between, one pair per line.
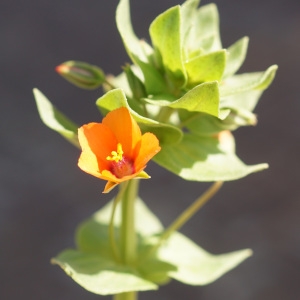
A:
207, 67
165, 33
54, 119
164, 132
153, 79
246, 100
194, 265
202, 98
130, 40
236, 55
200, 158
202, 124
92, 266
248, 81
138, 51
92, 237
101, 276
204, 34
188, 11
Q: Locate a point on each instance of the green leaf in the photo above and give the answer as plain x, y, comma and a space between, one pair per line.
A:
248, 81
202, 124
188, 11
167, 134
92, 237
101, 275
130, 40
92, 265
153, 79
200, 158
204, 30
202, 98
165, 33
245, 100
139, 51
207, 67
194, 265
236, 55
54, 119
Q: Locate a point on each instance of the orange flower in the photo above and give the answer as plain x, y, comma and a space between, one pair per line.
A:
115, 150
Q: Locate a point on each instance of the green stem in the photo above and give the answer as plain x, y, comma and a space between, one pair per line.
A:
191, 210
186, 215
164, 114
112, 240
126, 296
128, 234
128, 242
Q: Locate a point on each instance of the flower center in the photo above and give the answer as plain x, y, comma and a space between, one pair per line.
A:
116, 155
120, 165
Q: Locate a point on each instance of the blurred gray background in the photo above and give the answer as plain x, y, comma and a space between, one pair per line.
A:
44, 195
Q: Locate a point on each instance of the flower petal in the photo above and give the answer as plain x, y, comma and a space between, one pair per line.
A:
149, 146
109, 186
97, 141
125, 129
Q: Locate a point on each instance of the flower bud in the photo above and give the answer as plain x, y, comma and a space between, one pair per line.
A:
81, 74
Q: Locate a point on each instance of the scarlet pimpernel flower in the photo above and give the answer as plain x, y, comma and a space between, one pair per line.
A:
115, 150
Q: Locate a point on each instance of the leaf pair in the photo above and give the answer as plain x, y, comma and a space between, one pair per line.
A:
91, 265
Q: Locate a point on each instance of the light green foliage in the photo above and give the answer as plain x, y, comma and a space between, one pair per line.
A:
92, 266
200, 163
236, 55
165, 34
184, 89
201, 91
202, 98
207, 67
196, 266
54, 119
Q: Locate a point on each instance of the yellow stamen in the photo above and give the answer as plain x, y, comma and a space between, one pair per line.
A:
116, 155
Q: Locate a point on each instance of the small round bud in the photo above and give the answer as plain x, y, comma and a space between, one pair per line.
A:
81, 74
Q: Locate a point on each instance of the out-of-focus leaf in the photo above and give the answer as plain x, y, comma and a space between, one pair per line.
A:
194, 265
200, 158
236, 55
54, 119
248, 81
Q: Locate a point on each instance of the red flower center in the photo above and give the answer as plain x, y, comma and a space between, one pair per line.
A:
123, 167
120, 165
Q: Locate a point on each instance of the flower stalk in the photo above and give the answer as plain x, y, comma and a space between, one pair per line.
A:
112, 239
128, 233
128, 244
191, 210
185, 216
